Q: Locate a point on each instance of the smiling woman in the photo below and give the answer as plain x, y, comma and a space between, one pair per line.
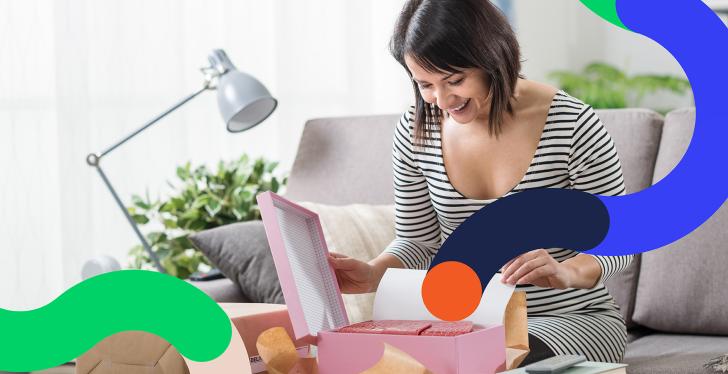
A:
426, 36
479, 131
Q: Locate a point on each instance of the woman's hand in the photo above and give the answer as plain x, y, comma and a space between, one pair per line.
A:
538, 268
353, 276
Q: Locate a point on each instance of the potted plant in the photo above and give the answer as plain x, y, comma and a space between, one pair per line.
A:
201, 199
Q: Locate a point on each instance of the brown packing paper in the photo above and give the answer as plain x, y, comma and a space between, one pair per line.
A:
279, 353
515, 322
395, 361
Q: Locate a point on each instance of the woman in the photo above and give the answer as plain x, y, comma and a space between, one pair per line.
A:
479, 131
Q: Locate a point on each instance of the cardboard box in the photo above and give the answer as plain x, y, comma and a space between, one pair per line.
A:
316, 307
250, 319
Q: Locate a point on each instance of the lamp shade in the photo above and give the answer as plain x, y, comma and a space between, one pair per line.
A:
243, 101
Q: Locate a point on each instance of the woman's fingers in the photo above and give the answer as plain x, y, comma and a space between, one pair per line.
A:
526, 268
535, 275
504, 267
517, 262
339, 261
344, 263
352, 275
511, 267
524, 264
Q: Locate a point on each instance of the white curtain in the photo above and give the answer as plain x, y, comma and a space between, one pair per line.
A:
78, 75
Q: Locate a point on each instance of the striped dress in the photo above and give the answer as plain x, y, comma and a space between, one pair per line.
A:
576, 152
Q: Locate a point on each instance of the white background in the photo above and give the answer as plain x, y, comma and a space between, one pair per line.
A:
76, 76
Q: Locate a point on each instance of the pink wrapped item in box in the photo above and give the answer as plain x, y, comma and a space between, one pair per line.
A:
317, 310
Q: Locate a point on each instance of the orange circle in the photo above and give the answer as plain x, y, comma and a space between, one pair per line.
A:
452, 291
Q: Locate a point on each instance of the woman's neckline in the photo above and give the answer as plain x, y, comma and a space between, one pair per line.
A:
528, 170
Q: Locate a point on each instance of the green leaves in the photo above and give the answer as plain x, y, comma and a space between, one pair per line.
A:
604, 86
138, 202
183, 172
200, 199
213, 207
140, 219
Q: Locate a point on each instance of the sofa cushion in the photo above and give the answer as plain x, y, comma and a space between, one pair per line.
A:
241, 252
636, 134
361, 232
676, 135
681, 285
673, 354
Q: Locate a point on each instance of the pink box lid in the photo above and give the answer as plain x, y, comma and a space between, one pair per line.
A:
300, 255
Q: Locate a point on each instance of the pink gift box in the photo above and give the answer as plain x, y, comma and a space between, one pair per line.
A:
317, 309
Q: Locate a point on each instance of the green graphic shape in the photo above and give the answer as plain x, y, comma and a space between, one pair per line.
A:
606, 9
105, 305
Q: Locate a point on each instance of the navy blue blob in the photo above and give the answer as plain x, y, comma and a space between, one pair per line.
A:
528, 220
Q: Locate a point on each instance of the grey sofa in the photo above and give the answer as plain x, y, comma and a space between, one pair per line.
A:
675, 300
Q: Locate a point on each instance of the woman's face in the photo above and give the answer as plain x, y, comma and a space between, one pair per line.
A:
464, 95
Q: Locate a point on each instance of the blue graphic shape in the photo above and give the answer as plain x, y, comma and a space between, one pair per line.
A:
698, 185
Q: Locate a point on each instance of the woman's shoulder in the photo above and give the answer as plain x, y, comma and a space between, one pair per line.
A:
574, 114
536, 95
409, 114
566, 108
564, 100
406, 122
580, 120
566, 112
405, 125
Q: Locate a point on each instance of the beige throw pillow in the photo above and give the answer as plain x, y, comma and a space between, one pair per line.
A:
358, 231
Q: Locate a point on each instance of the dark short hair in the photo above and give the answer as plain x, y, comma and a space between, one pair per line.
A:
446, 36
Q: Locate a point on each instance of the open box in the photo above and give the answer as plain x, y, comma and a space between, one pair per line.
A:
316, 307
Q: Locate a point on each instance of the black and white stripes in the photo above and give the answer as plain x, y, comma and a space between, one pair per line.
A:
575, 151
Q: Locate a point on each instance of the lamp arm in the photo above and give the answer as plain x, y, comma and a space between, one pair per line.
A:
153, 256
155, 119
94, 159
